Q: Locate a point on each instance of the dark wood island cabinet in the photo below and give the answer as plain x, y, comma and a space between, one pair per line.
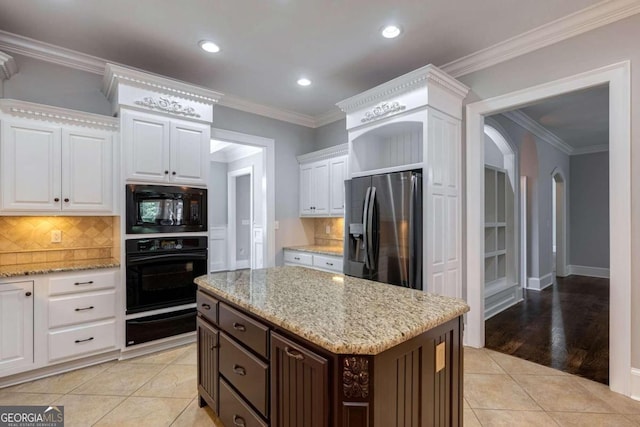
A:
293, 347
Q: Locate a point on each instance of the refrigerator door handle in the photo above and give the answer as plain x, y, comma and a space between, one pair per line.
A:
365, 227
412, 238
370, 249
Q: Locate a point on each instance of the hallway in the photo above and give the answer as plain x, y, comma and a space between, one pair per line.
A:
565, 326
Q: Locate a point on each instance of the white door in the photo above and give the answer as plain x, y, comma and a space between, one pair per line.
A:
306, 189
320, 188
189, 157
87, 171
16, 325
146, 139
337, 174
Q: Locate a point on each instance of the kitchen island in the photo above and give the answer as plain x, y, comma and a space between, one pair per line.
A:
291, 346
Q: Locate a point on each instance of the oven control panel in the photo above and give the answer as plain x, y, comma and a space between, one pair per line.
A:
172, 244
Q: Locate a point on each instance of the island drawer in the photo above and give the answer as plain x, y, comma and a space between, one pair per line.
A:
298, 258
207, 307
248, 331
248, 374
328, 263
234, 411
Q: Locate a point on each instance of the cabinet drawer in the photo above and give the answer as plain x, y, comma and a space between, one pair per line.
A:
234, 411
73, 309
328, 263
298, 258
249, 332
207, 307
82, 282
245, 371
82, 340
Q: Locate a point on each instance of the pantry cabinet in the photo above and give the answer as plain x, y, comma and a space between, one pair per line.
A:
322, 175
16, 327
164, 150
53, 166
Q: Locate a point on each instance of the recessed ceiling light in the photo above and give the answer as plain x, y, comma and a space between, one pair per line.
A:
304, 81
209, 46
391, 32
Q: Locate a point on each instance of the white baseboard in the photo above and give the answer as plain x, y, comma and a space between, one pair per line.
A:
581, 270
635, 384
241, 264
539, 283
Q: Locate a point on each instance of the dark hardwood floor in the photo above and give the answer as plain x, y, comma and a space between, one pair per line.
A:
565, 326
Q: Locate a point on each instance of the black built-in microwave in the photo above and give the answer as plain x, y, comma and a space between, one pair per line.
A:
165, 209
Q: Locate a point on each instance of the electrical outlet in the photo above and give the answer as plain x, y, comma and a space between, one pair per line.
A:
56, 236
327, 229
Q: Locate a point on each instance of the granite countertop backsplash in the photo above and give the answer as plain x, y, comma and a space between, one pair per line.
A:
319, 249
56, 266
342, 314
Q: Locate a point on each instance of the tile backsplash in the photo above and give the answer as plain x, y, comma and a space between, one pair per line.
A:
336, 235
25, 240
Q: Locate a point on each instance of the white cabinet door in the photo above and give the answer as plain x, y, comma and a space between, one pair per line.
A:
320, 193
189, 157
337, 175
30, 167
16, 325
87, 171
146, 139
306, 189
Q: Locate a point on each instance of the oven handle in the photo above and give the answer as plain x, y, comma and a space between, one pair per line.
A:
166, 257
164, 319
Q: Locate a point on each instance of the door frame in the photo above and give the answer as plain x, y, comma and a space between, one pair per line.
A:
618, 77
561, 219
269, 202
232, 231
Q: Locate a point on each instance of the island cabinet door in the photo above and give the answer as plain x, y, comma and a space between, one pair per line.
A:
208, 339
299, 385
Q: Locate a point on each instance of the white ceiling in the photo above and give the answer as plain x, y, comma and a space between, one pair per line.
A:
267, 44
580, 119
227, 152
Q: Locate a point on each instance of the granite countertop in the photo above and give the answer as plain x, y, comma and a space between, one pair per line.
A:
342, 314
57, 266
318, 249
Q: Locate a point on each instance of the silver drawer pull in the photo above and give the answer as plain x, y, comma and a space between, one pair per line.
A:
296, 258
88, 339
238, 421
239, 327
295, 354
90, 282
239, 370
329, 263
85, 308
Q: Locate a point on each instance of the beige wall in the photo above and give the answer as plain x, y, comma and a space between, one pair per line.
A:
604, 46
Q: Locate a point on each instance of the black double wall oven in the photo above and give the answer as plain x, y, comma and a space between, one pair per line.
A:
160, 271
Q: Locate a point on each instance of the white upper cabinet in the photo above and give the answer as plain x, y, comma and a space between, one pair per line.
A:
16, 328
166, 126
49, 167
322, 175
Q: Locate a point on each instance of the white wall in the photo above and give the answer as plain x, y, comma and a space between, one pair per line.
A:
492, 154
255, 161
589, 219
217, 189
243, 217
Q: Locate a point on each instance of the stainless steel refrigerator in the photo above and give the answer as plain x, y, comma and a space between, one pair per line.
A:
383, 224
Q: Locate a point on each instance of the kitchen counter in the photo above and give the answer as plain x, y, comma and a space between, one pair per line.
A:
342, 314
57, 266
318, 249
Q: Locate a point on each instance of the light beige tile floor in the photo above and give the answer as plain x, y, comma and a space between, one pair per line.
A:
160, 390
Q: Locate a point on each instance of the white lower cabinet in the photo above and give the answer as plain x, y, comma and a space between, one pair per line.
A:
331, 263
16, 325
82, 340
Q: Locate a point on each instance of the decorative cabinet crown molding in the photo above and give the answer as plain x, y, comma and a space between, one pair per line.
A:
324, 154
8, 66
48, 113
167, 105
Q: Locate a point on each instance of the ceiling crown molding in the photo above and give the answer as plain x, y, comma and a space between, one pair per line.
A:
8, 66
48, 113
324, 154
538, 130
590, 18
429, 74
116, 74
281, 114
600, 148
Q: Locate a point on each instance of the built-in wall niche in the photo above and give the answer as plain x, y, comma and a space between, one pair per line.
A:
495, 228
396, 146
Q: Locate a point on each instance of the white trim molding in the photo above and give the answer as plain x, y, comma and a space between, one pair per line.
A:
540, 283
538, 130
330, 116
591, 149
237, 103
35, 111
8, 66
324, 154
581, 270
590, 18
218, 248
635, 383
